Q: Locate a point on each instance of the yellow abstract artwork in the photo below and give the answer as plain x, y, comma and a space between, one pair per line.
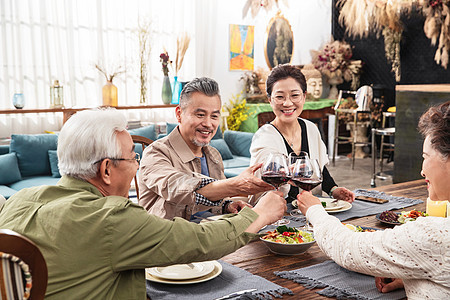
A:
242, 47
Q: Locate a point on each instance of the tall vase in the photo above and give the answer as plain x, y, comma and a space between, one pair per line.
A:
334, 81
110, 96
166, 92
176, 90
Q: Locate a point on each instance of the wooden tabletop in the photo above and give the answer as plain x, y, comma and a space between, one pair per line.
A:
258, 260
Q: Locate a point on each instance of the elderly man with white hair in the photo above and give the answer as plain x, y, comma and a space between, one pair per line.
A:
96, 242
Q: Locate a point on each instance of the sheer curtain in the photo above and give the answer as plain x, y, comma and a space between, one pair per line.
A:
45, 40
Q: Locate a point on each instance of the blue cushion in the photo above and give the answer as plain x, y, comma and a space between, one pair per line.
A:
161, 135
32, 152
233, 172
170, 127
146, 131
4, 149
218, 134
236, 162
239, 142
53, 157
34, 181
10, 169
6, 191
138, 148
222, 147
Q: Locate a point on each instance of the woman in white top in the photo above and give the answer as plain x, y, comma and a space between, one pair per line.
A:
416, 253
287, 133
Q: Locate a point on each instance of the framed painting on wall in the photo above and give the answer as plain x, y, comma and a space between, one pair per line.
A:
242, 47
279, 44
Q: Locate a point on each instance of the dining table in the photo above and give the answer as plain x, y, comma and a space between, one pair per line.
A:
258, 260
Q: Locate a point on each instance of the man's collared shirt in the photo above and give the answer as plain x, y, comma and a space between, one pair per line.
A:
97, 247
170, 174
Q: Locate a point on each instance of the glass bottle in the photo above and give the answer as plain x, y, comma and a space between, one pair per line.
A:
56, 95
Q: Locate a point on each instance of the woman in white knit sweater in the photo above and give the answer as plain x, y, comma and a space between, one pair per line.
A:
417, 253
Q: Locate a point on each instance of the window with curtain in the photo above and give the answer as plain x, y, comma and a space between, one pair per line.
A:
47, 40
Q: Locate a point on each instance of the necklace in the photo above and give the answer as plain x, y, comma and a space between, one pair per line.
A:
289, 141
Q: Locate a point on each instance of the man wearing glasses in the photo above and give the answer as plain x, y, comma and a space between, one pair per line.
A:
95, 241
181, 174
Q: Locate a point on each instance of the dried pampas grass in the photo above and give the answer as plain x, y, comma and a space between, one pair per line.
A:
361, 17
182, 45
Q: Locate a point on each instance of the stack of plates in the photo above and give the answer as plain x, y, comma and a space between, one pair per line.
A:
185, 273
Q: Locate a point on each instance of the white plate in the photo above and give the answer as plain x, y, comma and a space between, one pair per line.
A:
338, 205
183, 271
216, 271
331, 206
346, 206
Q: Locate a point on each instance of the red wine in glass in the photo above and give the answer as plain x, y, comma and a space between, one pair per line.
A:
306, 173
275, 179
306, 184
275, 171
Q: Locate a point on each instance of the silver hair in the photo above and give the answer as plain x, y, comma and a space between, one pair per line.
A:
204, 85
87, 137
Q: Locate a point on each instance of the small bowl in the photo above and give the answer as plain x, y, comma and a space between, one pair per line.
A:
287, 249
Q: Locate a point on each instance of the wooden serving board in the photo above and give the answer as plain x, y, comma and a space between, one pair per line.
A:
371, 199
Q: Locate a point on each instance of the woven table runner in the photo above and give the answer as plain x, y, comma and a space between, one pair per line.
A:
232, 279
363, 208
339, 282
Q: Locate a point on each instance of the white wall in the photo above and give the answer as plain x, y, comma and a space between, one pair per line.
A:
310, 21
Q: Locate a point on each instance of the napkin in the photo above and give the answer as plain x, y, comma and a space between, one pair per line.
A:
339, 282
232, 279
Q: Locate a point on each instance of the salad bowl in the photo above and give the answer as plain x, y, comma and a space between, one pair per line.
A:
283, 248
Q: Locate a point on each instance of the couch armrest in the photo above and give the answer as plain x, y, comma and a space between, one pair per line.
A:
4, 149
239, 142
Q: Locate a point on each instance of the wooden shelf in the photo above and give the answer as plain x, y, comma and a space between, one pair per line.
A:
67, 112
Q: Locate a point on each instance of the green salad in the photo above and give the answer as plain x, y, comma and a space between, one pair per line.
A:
288, 235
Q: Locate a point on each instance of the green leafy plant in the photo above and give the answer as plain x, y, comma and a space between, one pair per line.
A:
238, 110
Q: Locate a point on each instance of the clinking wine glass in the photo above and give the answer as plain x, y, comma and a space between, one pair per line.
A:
275, 171
306, 174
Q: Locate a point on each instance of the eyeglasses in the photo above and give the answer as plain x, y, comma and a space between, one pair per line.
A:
297, 97
136, 158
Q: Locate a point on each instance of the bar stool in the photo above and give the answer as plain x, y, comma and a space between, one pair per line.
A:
383, 132
356, 116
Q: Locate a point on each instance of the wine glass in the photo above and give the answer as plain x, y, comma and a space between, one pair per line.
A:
305, 174
275, 171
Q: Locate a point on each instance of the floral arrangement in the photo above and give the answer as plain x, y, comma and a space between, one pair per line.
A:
238, 110
334, 60
251, 80
165, 61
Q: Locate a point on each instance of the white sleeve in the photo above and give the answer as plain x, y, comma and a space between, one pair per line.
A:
415, 250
